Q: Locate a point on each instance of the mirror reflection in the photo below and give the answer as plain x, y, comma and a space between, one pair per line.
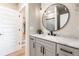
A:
55, 17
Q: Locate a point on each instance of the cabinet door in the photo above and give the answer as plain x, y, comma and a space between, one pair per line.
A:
32, 46
48, 48
47, 51
39, 49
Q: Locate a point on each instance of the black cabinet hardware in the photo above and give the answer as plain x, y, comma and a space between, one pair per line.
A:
66, 51
41, 49
33, 44
57, 54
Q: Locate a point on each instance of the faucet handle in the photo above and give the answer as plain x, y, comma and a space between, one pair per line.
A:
54, 34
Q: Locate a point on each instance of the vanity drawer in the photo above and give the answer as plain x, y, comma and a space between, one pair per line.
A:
63, 50
46, 42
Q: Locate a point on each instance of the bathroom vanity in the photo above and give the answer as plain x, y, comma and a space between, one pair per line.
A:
54, 18
46, 45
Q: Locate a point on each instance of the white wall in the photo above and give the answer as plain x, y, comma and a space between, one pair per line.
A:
10, 5
27, 29
72, 28
34, 17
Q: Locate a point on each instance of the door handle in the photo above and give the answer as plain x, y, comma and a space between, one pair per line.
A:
19, 43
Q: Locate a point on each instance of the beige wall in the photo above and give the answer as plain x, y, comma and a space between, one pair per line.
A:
10, 5
34, 17
72, 28
27, 29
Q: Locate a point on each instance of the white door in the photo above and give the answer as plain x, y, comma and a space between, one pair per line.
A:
9, 31
22, 27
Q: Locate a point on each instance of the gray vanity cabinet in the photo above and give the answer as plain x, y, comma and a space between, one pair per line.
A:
32, 46
45, 48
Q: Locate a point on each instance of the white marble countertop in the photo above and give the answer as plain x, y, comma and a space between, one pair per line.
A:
73, 42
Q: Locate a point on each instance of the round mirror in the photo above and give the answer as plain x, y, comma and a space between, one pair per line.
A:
55, 17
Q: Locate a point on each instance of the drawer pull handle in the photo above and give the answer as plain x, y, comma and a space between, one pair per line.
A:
33, 44
65, 51
41, 49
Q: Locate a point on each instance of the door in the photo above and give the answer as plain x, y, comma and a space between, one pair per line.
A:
22, 27
9, 31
